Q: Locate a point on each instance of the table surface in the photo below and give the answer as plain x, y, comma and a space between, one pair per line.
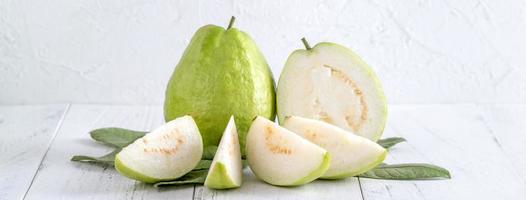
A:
483, 146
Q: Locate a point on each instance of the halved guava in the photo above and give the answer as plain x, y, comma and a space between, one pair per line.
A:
281, 157
331, 83
166, 153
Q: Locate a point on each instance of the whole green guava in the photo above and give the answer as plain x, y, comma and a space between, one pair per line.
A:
221, 73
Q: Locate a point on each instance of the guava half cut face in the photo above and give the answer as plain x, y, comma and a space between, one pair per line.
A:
350, 154
166, 153
226, 168
281, 157
331, 83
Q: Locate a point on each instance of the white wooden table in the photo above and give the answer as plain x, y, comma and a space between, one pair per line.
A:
483, 146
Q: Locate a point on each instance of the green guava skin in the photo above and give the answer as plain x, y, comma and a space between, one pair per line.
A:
313, 175
131, 173
219, 178
221, 73
324, 166
362, 170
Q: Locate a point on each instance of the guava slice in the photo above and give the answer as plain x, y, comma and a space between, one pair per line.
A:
166, 153
350, 154
226, 169
331, 83
281, 157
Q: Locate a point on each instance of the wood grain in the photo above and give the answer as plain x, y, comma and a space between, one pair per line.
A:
60, 178
482, 145
457, 138
25, 135
255, 189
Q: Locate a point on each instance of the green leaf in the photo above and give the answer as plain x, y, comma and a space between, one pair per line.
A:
409, 171
107, 159
209, 152
117, 137
390, 142
203, 164
193, 177
244, 162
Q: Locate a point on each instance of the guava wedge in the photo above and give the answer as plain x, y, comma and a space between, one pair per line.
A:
221, 73
226, 170
331, 83
350, 154
281, 157
166, 153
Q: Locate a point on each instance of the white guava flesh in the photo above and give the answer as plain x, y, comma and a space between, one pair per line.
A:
350, 154
166, 153
281, 157
331, 83
226, 169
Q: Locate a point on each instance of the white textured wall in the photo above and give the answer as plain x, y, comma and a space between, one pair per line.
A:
123, 51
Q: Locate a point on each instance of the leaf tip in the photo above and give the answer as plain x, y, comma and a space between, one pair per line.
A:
448, 175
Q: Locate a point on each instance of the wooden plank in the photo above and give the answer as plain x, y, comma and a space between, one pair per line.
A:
25, 135
60, 178
456, 138
506, 125
255, 189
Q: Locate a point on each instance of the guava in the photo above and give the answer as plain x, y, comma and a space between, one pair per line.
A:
226, 169
167, 153
350, 154
221, 73
281, 157
329, 82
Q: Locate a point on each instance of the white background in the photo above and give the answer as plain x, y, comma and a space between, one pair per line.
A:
123, 51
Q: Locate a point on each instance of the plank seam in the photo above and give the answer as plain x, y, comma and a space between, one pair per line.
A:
55, 133
361, 190
193, 193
